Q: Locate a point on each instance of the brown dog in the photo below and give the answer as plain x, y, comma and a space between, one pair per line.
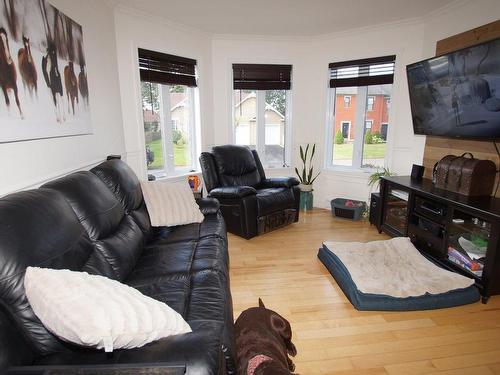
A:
263, 342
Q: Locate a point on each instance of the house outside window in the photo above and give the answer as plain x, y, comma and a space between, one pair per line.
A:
347, 101
261, 107
369, 84
169, 108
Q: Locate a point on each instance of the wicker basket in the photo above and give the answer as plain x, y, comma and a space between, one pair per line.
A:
339, 209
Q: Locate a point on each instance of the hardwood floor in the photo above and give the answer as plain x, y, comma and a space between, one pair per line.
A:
331, 336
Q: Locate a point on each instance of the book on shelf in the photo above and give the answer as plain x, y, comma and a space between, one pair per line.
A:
464, 261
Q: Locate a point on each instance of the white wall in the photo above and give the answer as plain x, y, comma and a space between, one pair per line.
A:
28, 164
310, 58
409, 40
137, 30
460, 16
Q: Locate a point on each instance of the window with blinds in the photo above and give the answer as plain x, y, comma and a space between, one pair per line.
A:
261, 107
358, 116
365, 72
170, 112
166, 69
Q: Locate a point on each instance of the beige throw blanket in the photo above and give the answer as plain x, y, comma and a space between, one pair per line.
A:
395, 268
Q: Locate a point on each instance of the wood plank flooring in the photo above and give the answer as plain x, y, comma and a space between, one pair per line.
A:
331, 336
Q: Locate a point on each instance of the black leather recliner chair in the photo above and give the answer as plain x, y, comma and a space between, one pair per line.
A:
250, 203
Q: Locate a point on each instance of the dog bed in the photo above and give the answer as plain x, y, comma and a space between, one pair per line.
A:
392, 275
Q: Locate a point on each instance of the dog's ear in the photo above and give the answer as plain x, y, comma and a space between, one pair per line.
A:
261, 304
283, 328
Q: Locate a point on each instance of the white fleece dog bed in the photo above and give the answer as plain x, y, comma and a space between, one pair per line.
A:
393, 275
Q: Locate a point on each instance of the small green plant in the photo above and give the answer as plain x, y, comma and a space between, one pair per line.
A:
306, 176
374, 178
339, 138
368, 137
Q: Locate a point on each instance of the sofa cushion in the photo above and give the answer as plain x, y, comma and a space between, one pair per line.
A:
236, 166
174, 255
208, 298
172, 289
124, 184
162, 258
274, 199
116, 236
37, 228
212, 226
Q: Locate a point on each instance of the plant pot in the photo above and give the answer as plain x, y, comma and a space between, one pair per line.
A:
305, 188
306, 200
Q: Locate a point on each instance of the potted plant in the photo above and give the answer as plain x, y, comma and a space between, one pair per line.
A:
374, 178
373, 182
306, 176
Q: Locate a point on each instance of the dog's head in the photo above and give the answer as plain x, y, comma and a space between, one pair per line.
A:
282, 327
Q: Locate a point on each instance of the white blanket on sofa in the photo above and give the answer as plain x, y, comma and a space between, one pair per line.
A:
395, 268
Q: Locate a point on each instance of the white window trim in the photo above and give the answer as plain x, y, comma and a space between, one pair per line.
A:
167, 141
359, 129
371, 124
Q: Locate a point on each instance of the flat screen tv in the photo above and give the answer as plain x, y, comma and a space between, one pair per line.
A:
457, 94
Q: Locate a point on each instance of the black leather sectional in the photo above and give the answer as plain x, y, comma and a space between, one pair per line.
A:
251, 203
96, 221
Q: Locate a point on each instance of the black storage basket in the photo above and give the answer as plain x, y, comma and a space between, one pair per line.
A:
339, 209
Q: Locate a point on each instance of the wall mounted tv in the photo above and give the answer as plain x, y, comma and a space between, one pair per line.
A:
457, 94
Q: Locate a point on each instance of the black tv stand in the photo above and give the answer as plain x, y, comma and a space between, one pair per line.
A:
460, 233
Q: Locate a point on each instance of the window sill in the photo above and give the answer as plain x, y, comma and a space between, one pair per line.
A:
176, 177
359, 172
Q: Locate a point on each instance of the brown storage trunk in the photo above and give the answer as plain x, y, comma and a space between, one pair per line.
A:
465, 175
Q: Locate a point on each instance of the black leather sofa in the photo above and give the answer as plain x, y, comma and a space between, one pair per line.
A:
250, 203
96, 221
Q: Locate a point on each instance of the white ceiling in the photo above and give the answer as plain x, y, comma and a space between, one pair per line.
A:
283, 17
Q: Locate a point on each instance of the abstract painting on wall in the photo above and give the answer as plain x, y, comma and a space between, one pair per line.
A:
43, 74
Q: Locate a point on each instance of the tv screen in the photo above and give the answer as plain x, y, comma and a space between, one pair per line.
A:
457, 94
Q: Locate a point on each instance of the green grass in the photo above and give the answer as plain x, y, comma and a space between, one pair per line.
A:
373, 151
181, 155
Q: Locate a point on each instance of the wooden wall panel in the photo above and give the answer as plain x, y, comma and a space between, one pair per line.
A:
437, 147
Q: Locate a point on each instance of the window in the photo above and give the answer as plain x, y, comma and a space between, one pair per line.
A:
357, 136
369, 103
168, 88
261, 104
347, 101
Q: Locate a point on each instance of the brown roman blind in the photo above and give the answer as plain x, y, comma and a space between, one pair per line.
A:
364, 72
262, 77
166, 69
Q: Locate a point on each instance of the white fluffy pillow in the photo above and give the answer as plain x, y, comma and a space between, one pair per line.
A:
95, 311
170, 204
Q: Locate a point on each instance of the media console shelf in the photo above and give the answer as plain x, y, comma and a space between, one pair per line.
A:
460, 233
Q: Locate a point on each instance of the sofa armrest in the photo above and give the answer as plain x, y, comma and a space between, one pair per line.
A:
208, 205
286, 182
232, 192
